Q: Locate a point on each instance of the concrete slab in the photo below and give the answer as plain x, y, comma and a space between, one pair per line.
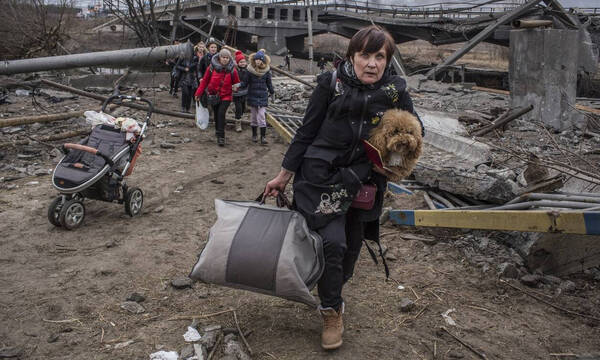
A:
444, 132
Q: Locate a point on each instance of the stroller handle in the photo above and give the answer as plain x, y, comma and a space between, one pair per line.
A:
90, 150
132, 98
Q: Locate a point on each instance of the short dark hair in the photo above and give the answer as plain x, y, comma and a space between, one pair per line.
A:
370, 39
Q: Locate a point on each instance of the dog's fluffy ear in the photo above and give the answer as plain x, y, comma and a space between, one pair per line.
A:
378, 138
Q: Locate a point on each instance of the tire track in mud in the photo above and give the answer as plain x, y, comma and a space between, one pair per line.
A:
166, 194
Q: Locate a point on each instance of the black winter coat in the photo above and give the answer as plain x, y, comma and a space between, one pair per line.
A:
259, 88
243, 89
188, 78
203, 64
326, 153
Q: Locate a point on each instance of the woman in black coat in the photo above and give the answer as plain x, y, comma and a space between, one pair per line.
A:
329, 163
188, 80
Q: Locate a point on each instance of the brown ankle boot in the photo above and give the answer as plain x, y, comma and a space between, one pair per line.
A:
333, 328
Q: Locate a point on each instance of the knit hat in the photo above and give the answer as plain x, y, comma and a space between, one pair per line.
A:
211, 41
225, 52
260, 55
239, 56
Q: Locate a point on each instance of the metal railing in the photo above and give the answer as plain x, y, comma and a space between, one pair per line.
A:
453, 10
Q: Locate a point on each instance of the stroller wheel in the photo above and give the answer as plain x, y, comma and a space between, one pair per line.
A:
54, 211
72, 214
134, 200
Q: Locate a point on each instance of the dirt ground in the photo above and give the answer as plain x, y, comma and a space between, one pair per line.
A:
60, 291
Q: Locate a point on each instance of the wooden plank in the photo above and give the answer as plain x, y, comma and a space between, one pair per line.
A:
504, 92
283, 132
568, 222
490, 90
587, 109
23, 120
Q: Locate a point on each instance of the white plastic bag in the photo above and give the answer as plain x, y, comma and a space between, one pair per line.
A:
128, 125
164, 355
96, 118
191, 335
201, 116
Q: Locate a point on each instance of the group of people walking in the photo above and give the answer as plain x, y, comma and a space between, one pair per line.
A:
218, 78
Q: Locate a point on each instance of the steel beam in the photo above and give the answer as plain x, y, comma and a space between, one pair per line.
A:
482, 35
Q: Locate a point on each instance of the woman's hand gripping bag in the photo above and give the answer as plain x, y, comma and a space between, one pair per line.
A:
261, 248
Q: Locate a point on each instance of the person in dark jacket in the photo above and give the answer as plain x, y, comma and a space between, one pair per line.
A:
219, 79
200, 51
188, 81
321, 64
205, 62
239, 97
259, 88
175, 74
329, 164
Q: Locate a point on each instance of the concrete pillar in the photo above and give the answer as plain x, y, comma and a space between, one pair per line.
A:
543, 72
277, 13
265, 11
238, 11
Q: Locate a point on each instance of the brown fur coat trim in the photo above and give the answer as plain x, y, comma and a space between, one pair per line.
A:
259, 71
398, 138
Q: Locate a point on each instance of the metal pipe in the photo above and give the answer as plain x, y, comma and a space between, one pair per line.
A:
561, 197
441, 199
428, 200
139, 56
456, 200
518, 199
473, 207
528, 24
545, 203
582, 193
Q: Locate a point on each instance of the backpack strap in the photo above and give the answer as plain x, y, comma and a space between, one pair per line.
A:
374, 257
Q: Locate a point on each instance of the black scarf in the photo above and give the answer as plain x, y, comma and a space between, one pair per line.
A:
348, 76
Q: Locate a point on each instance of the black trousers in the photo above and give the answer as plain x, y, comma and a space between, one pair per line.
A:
187, 94
219, 111
342, 240
174, 84
240, 106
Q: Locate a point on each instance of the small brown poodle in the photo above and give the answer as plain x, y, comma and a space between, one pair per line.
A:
399, 140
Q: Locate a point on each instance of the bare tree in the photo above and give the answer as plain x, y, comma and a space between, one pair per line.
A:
31, 28
141, 17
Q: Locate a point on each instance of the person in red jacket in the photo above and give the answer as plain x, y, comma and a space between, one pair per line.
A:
219, 81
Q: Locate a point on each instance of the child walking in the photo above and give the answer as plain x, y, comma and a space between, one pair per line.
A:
259, 89
239, 97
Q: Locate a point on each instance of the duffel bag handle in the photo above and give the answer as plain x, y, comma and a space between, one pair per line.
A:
281, 200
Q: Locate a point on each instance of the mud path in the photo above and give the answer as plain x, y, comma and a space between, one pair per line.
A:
60, 291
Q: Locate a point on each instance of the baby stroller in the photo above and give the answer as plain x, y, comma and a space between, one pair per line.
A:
95, 168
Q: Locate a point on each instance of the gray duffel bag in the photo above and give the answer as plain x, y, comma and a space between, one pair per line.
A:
261, 248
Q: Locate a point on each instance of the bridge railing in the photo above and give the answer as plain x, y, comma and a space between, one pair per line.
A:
373, 7
433, 10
